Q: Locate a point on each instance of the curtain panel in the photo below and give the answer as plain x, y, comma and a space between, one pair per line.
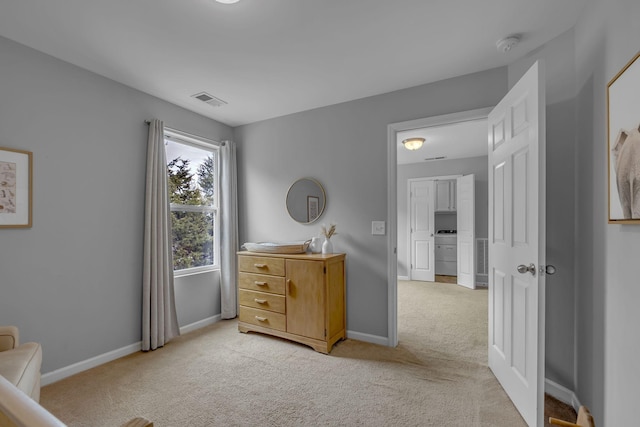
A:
228, 230
159, 318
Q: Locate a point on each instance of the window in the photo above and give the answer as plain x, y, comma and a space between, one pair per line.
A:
192, 167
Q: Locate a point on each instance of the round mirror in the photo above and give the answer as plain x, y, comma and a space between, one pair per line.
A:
305, 200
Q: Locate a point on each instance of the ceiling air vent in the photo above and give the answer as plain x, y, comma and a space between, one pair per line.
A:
428, 159
209, 99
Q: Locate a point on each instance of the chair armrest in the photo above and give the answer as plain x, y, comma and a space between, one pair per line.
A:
562, 423
18, 409
9, 338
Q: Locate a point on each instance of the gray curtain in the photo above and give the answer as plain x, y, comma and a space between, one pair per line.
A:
228, 230
159, 319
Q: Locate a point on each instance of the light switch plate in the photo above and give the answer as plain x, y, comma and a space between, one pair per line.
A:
378, 228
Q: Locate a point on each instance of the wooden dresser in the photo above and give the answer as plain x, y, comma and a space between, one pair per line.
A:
297, 297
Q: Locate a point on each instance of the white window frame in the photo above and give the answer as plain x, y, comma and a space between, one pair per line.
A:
213, 146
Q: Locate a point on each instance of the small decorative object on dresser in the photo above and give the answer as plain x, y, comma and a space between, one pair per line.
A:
316, 245
296, 297
327, 246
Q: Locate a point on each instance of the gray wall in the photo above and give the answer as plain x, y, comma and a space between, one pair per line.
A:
474, 165
73, 280
344, 146
608, 287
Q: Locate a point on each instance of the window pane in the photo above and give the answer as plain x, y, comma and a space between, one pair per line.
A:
192, 239
192, 173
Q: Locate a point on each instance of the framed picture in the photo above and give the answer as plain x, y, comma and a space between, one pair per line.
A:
15, 188
623, 128
313, 204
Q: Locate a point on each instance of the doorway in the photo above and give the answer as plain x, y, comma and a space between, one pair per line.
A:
431, 228
395, 246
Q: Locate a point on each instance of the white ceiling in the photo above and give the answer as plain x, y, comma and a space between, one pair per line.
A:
452, 141
268, 58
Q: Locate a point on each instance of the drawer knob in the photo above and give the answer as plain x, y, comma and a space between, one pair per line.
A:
260, 301
261, 319
260, 283
260, 265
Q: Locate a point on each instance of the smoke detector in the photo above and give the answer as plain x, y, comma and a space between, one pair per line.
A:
209, 99
506, 44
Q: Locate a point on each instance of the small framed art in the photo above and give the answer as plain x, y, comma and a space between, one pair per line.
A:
15, 188
313, 206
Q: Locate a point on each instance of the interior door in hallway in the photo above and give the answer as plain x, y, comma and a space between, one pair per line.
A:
466, 230
517, 244
422, 229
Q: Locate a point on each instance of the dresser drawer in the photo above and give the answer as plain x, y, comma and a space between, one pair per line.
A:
262, 300
267, 319
262, 265
261, 282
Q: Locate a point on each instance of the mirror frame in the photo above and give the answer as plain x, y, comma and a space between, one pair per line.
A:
321, 207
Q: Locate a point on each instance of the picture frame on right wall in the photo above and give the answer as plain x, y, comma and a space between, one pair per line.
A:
623, 131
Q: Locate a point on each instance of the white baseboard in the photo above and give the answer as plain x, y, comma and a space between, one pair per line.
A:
403, 277
76, 368
373, 339
200, 324
67, 371
561, 393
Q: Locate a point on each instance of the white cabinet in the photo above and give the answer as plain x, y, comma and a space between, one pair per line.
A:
446, 195
446, 259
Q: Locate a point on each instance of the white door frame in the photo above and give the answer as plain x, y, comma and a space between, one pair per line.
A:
392, 202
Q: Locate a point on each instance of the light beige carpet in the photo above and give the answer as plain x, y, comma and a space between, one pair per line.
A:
216, 376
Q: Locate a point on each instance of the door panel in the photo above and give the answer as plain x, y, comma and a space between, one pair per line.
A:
422, 249
466, 219
520, 197
517, 237
498, 300
421, 218
498, 231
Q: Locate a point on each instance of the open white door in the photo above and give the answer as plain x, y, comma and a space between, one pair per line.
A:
466, 218
421, 223
517, 244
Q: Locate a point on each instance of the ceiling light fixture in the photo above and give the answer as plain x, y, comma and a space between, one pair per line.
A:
227, 1
413, 143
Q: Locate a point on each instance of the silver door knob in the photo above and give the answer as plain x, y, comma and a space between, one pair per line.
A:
531, 268
549, 269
